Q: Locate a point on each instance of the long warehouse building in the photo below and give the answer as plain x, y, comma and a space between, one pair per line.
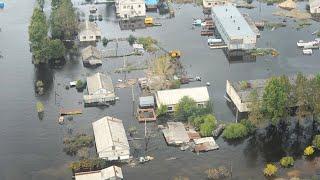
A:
233, 28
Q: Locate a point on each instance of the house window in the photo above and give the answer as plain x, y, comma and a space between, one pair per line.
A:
84, 37
170, 108
139, 12
91, 37
124, 7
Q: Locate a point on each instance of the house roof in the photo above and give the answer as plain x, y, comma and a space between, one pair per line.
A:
146, 101
173, 96
110, 137
89, 52
176, 133
205, 144
99, 81
107, 173
230, 19
89, 29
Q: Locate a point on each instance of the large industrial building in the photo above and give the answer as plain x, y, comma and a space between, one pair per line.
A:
233, 28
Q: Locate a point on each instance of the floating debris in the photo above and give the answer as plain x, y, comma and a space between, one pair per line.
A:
40, 107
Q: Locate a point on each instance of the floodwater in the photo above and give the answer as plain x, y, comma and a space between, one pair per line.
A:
32, 149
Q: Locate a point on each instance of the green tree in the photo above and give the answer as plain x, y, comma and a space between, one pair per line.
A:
235, 131
208, 125
302, 93
162, 110
55, 4
276, 98
316, 141
131, 39
287, 161
315, 95
255, 115
185, 108
308, 151
56, 49
64, 22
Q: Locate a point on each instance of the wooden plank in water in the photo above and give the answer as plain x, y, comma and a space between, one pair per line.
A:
64, 112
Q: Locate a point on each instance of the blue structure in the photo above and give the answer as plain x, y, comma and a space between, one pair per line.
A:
1, 5
151, 2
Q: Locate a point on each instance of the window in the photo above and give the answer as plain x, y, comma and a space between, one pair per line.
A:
201, 105
91, 37
170, 108
124, 7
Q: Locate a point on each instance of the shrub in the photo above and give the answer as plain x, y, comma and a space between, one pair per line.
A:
249, 125
74, 144
185, 108
316, 141
80, 85
105, 41
208, 125
162, 110
235, 131
131, 39
308, 151
287, 161
88, 165
270, 170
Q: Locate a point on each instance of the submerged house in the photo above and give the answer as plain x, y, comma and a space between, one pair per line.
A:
89, 32
205, 144
233, 28
100, 90
110, 173
314, 6
91, 56
176, 133
171, 97
111, 140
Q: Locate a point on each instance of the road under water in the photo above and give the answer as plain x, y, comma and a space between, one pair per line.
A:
32, 149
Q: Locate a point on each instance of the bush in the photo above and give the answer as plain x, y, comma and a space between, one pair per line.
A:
74, 144
162, 110
308, 151
235, 131
270, 170
185, 108
208, 125
132, 39
316, 141
249, 125
80, 85
287, 161
88, 165
105, 41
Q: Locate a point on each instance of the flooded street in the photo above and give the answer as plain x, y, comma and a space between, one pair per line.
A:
33, 149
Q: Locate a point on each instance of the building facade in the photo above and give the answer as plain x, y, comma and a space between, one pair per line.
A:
314, 6
126, 9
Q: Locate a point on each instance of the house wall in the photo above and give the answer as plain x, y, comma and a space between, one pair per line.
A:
126, 9
314, 6
242, 107
212, 3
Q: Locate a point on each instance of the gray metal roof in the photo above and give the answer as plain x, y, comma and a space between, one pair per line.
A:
230, 18
99, 84
146, 101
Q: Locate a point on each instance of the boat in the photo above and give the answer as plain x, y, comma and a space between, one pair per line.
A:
301, 43
212, 41
61, 120
307, 51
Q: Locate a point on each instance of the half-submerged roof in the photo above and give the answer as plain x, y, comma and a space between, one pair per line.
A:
89, 52
232, 21
110, 137
176, 133
99, 81
107, 173
173, 96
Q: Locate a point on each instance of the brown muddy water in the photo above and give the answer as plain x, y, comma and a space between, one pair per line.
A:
32, 149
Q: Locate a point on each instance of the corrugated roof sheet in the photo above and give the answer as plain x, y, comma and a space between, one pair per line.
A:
176, 133
146, 101
89, 52
173, 96
230, 18
110, 137
98, 82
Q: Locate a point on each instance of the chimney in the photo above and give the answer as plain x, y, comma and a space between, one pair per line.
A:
238, 28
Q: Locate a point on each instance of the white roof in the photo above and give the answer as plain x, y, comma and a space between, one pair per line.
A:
110, 137
107, 173
173, 96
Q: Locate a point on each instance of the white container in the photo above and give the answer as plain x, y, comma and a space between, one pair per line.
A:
307, 51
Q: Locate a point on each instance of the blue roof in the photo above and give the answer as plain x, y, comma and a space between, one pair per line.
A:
146, 101
151, 2
230, 18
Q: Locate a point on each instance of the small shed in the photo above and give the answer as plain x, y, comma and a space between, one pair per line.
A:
91, 56
110, 173
205, 144
146, 102
176, 133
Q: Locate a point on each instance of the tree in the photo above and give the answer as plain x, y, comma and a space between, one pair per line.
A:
270, 170
56, 49
316, 142
235, 131
185, 108
131, 39
301, 96
286, 161
275, 100
64, 23
308, 151
162, 110
315, 95
255, 115
208, 125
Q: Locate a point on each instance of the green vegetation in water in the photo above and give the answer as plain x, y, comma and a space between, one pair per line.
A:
316, 142
244, 85
235, 131
88, 165
105, 41
130, 68
204, 123
270, 170
303, 24
218, 173
81, 85
131, 39
162, 110
287, 161
148, 43
264, 52
274, 25
74, 144
40, 107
